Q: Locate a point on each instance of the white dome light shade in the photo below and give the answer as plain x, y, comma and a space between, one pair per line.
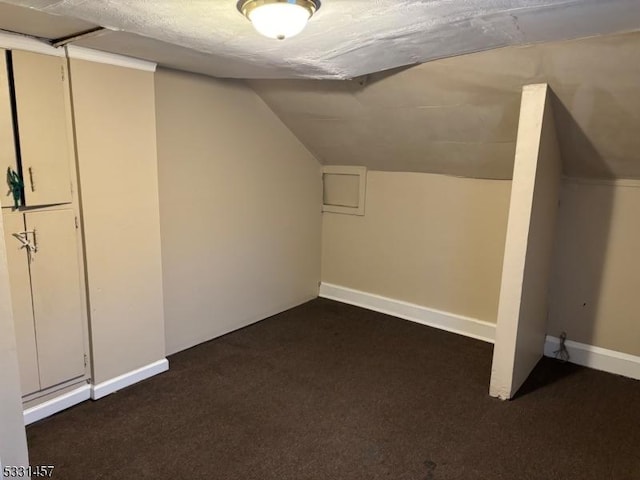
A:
278, 18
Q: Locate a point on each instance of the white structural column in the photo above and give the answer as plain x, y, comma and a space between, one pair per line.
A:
523, 305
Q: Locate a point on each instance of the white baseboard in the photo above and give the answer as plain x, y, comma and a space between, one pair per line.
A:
581, 354
596, 357
118, 383
450, 322
94, 392
57, 404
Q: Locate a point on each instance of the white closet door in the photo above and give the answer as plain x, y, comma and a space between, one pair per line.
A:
42, 123
7, 147
57, 306
17, 259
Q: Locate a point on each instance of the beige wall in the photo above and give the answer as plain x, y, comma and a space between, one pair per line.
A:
240, 201
523, 306
13, 441
432, 240
597, 265
116, 140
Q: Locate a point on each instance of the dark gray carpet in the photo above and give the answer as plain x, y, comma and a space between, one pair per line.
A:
329, 391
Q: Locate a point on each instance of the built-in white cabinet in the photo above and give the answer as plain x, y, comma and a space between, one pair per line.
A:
41, 110
41, 235
21, 301
40, 119
44, 271
8, 159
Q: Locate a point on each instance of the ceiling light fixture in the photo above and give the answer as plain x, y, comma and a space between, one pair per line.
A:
278, 18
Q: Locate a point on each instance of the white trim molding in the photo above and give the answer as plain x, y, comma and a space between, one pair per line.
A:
97, 56
596, 357
57, 404
451, 322
118, 383
15, 41
590, 356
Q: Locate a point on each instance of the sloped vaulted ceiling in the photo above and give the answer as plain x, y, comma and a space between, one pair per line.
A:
455, 115
459, 116
345, 39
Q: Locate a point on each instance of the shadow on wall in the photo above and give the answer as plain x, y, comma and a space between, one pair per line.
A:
583, 232
577, 271
373, 78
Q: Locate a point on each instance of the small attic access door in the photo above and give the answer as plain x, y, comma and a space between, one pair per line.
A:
343, 189
523, 304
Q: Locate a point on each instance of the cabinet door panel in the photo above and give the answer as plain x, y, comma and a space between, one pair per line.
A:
7, 146
43, 129
21, 300
57, 306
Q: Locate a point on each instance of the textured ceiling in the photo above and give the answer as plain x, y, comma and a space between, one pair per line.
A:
346, 38
459, 116
455, 115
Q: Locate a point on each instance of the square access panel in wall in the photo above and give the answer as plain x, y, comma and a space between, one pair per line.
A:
344, 189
